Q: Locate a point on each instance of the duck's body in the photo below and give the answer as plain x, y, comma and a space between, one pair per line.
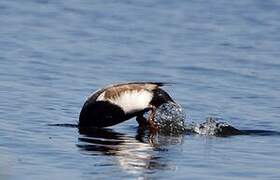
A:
117, 103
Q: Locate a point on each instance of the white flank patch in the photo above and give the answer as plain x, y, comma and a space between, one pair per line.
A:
101, 97
131, 101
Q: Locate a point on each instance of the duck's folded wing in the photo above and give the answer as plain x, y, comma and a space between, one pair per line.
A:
117, 89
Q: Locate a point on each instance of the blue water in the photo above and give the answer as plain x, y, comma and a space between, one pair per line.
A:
222, 58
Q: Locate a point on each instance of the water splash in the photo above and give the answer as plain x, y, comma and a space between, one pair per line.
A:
212, 127
170, 117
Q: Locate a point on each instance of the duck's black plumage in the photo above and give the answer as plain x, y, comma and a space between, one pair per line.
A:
116, 103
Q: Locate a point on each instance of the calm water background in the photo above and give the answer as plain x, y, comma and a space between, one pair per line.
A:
222, 56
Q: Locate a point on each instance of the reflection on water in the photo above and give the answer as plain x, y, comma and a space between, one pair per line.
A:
222, 58
133, 154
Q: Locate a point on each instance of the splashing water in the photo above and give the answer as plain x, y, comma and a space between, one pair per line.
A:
170, 117
212, 127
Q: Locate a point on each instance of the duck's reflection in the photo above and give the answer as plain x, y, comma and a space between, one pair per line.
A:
133, 154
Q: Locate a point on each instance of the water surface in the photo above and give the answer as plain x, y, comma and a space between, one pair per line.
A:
222, 58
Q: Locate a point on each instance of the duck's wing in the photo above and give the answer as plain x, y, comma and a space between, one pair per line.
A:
149, 85
117, 89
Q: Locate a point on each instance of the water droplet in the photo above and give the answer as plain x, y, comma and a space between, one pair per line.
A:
170, 117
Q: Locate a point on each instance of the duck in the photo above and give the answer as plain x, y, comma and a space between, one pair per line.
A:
117, 103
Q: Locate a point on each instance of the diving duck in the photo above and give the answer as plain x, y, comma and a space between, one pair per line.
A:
119, 102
